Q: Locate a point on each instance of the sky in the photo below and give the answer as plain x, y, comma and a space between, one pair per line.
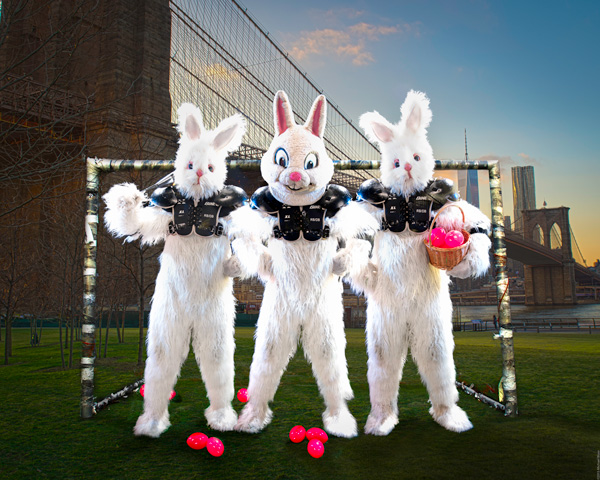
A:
522, 77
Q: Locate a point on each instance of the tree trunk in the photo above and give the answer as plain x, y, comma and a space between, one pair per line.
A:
118, 327
108, 320
8, 338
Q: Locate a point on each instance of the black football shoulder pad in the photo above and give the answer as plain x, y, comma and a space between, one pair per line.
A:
334, 198
442, 190
164, 197
229, 198
264, 200
372, 191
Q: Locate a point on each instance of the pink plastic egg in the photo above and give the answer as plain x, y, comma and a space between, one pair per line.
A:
317, 433
197, 441
173, 394
215, 447
142, 388
454, 238
438, 237
297, 434
242, 395
315, 448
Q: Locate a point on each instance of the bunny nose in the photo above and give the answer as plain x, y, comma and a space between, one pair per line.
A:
407, 167
199, 172
295, 176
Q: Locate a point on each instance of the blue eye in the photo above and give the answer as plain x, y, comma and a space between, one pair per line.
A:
311, 161
396, 163
190, 166
416, 157
282, 158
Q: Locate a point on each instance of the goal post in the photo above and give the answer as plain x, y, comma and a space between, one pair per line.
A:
97, 167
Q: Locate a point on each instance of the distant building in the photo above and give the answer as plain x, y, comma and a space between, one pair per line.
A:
468, 186
468, 181
507, 222
523, 183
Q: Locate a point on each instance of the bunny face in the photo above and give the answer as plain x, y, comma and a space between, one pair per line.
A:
200, 168
407, 161
296, 165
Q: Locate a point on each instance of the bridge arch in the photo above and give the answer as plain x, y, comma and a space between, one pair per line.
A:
555, 237
538, 234
548, 283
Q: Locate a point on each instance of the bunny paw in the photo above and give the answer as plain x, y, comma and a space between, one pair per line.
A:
124, 196
232, 267
265, 267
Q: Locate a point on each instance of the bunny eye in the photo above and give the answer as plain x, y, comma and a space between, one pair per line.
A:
396, 163
190, 165
416, 157
211, 168
282, 158
311, 161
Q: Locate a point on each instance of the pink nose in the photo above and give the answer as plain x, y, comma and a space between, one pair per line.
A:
407, 167
199, 173
295, 176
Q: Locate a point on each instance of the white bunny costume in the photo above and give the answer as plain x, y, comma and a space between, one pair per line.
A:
303, 219
408, 299
193, 297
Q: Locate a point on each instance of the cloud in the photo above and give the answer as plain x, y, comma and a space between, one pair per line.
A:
349, 43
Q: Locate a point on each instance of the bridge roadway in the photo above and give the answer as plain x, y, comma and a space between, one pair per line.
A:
529, 252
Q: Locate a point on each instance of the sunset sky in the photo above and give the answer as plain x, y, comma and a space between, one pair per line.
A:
521, 76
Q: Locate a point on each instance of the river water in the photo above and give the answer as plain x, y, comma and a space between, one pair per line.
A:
486, 312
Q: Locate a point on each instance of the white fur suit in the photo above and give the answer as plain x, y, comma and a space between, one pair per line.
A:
303, 288
408, 299
193, 298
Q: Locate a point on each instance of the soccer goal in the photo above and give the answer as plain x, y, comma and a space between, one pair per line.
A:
97, 167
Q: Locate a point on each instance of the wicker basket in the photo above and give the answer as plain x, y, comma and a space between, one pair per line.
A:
447, 258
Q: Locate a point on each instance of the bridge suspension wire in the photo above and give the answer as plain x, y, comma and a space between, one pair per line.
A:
574, 241
225, 62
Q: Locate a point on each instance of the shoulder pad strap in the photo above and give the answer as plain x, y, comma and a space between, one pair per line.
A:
334, 198
164, 197
442, 190
264, 200
231, 197
372, 191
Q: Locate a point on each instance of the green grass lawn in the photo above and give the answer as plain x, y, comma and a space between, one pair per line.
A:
555, 436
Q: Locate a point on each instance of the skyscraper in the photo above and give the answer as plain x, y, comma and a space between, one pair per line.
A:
523, 183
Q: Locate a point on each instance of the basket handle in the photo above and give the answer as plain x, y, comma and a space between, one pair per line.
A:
449, 204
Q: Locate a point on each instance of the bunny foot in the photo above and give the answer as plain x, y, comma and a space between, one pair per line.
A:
380, 422
253, 421
151, 427
454, 418
341, 425
223, 419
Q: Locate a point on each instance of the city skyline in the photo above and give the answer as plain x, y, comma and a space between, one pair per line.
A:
526, 95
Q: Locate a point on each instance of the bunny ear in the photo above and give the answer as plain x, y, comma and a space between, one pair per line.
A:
317, 117
190, 121
282, 111
229, 133
377, 128
416, 112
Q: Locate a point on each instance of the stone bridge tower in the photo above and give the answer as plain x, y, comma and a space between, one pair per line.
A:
550, 284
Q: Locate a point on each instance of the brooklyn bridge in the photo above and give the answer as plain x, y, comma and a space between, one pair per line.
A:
118, 98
